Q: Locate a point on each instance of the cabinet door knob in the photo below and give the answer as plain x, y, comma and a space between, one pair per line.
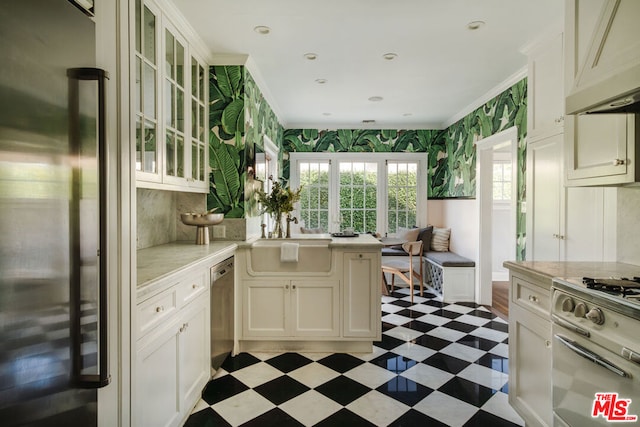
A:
618, 162
293, 287
286, 286
160, 309
359, 255
534, 299
194, 286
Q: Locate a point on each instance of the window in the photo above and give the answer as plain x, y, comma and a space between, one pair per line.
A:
314, 198
502, 181
358, 194
369, 192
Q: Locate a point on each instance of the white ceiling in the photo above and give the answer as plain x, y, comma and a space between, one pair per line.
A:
442, 69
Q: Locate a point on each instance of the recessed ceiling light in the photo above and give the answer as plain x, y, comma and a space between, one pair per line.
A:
321, 81
475, 25
376, 99
390, 56
407, 114
311, 56
368, 121
262, 30
326, 114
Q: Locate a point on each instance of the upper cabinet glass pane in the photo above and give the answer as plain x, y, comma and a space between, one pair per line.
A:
169, 55
138, 84
179, 64
149, 31
138, 26
194, 77
149, 91
201, 81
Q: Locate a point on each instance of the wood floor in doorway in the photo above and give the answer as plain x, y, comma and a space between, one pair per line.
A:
500, 299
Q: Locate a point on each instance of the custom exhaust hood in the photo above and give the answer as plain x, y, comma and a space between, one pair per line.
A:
606, 75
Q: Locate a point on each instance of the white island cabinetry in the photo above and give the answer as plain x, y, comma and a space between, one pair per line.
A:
328, 300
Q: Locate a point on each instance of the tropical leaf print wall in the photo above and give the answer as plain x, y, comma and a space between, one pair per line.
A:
451, 152
226, 140
239, 117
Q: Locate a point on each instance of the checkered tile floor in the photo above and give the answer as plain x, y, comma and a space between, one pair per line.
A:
437, 364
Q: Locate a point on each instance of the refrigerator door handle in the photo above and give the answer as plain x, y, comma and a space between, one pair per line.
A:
102, 378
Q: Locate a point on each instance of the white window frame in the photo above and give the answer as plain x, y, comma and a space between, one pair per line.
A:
381, 160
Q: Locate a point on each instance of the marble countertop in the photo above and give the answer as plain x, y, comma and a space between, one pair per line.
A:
157, 262
360, 241
547, 270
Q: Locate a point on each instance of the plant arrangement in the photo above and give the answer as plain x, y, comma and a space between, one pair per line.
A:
278, 202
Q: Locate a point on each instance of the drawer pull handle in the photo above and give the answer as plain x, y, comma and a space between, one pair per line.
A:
534, 299
618, 162
160, 309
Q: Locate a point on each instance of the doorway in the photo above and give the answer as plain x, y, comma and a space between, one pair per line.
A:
496, 179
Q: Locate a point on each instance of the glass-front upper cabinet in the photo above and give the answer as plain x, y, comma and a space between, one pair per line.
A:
146, 90
170, 105
199, 123
174, 106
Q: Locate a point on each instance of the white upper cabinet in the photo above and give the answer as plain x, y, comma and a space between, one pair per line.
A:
600, 149
603, 37
170, 106
545, 89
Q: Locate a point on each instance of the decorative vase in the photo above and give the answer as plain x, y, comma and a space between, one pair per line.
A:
278, 227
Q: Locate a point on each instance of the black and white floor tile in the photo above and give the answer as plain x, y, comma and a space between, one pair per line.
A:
438, 364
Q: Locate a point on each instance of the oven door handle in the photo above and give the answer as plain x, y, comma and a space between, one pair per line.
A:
570, 326
591, 356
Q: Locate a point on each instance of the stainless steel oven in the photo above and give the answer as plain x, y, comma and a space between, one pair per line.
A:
595, 356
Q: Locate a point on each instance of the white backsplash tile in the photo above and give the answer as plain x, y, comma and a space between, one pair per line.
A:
628, 225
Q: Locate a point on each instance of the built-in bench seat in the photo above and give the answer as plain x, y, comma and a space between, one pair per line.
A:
448, 274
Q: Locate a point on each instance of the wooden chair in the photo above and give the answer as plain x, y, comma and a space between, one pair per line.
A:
404, 268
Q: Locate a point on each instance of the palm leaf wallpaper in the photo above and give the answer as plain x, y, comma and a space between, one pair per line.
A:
240, 117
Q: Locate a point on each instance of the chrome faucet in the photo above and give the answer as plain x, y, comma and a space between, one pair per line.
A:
289, 220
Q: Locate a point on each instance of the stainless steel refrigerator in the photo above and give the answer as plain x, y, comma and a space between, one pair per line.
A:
53, 338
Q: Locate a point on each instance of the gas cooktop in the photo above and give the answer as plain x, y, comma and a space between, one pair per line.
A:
620, 294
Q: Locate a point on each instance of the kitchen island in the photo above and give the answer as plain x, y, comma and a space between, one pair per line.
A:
326, 299
530, 340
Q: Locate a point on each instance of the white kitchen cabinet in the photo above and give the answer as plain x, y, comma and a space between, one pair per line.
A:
545, 112
600, 149
170, 106
603, 50
545, 199
361, 301
194, 352
564, 223
315, 308
172, 350
530, 349
156, 377
291, 308
265, 305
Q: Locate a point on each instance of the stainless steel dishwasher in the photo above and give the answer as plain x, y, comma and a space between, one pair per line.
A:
221, 312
